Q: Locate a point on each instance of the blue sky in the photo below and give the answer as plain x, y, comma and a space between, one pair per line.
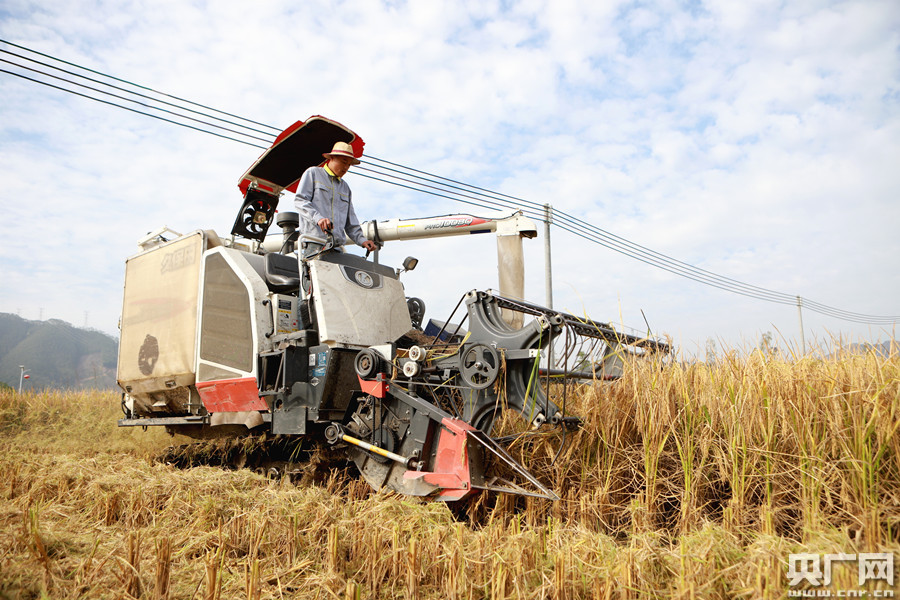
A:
759, 141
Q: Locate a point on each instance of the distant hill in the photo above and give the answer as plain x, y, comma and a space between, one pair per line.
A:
56, 355
882, 348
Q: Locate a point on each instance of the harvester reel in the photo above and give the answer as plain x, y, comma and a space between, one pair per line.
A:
479, 366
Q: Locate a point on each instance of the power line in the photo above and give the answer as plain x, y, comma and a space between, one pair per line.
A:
97, 81
539, 208
413, 179
139, 103
129, 82
127, 108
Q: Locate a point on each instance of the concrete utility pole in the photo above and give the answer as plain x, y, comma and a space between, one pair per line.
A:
22, 370
548, 272
800, 312
548, 265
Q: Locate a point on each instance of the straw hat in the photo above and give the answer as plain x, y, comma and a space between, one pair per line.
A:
342, 149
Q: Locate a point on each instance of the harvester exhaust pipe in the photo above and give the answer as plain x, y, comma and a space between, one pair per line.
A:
288, 221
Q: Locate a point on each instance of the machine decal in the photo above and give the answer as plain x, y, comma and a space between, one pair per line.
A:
459, 222
149, 354
364, 279
320, 365
285, 318
370, 281
178, 259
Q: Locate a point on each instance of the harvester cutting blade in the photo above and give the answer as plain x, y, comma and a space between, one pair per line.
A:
458, 467
511, 488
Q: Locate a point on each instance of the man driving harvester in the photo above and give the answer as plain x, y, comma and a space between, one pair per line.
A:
325, 204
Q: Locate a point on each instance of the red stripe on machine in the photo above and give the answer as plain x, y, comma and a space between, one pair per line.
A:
230, 395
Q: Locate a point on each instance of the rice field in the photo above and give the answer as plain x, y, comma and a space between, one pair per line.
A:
685, 481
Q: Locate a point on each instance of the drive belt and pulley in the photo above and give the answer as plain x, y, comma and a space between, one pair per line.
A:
479, 366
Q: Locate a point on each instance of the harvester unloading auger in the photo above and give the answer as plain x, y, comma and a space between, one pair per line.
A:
239, 337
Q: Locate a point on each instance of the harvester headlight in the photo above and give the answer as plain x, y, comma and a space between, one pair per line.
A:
409, 263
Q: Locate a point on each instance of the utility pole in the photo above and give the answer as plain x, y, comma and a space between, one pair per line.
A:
800, 312
548, 266
548, 273
22, 370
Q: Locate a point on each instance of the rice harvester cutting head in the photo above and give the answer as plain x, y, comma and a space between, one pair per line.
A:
476, 375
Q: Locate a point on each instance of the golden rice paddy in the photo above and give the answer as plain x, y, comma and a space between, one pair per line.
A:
684, 481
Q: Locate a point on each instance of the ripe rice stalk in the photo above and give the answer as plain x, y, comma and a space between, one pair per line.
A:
132, 565
332, 548
252, 579
163, 568
214, 564
559, 577
85, 573
412, 571
392, 554
37, 544
476, 564
498, 580
352, 591
454, 566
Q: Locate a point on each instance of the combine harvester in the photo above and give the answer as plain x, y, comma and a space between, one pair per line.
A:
229, 338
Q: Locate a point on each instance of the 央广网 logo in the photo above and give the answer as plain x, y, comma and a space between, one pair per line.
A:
816, 570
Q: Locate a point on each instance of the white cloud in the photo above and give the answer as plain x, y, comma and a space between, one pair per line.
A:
756, 140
